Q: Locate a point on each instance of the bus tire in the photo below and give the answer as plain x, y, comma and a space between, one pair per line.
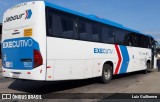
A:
106, 73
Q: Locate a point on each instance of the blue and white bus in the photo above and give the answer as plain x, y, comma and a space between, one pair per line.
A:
46, 42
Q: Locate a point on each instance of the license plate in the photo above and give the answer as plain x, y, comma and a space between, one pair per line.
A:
15, 75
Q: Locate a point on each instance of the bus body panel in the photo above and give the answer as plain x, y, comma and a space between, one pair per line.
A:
22, 25
73, 59
141, 56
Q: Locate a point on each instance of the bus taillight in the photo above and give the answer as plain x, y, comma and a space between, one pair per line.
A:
38, 60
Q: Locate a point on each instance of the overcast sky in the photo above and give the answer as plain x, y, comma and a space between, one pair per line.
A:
141, 15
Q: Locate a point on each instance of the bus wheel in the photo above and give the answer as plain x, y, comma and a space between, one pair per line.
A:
106, 73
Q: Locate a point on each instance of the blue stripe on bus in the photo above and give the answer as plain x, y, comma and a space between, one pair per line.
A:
126, 59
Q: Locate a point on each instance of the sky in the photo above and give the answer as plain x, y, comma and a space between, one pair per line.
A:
141, 15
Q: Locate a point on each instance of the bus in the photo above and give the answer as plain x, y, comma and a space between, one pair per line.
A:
42, 41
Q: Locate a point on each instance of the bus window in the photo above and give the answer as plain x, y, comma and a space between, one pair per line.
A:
84, 30
127, 39
82, 26
61, 25
95, 32
146, 42
54, 28
67, 27
120, 37
107, 35
135, 40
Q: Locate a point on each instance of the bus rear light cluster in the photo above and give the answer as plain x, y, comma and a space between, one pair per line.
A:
28, 72
38, 60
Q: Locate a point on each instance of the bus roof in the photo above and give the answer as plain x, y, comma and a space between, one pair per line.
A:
92, 17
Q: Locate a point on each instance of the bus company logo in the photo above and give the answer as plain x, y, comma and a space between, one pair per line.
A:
103, 51
28, 14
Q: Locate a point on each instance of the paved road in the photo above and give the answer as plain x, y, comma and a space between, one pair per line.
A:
128, 83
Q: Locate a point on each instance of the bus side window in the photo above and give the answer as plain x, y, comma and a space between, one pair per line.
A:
135, 41
56, 26
81, 26
104, 37
82, 30
127, 39
61, 24
95, 32
50, 25
107, 35
147, 42
130, 42
119, 36
149, 45
111, 35
67, 26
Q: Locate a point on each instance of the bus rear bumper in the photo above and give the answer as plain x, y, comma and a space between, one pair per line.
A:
38, 73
